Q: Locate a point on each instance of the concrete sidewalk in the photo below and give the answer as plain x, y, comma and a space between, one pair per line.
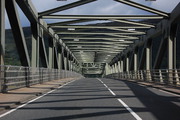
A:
168, 88
19, 96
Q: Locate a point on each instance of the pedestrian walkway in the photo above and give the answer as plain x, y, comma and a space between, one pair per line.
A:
18, 96
168, 88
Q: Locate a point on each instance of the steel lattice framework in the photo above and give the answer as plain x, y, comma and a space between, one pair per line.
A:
126, 32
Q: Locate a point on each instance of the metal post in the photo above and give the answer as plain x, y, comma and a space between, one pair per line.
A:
119, 66
60, 59
160, 76
65, 63
51, 53
148, 73
135, 64
2, 40
42, 49
122, 66
170, 59
35, 45
127, 67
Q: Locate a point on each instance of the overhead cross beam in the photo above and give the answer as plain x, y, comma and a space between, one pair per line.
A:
133, 23
143, 7
125, 30
97, 33
102, 38
106, 51
101, 27
102, 17
69, 22
104, 48
95, 42
98, 45
115, 35
65, 7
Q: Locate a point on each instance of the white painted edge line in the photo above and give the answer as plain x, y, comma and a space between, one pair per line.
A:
123, 103
169, 93
2, 115
130, 110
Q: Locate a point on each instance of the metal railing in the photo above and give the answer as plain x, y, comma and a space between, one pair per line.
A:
13, 77
162, 76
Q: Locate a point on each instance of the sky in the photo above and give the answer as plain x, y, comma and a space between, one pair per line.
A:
103, 7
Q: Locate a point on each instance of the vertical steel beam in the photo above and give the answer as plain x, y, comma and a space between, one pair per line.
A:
119, 66
65, 63
135, 60
127, 63
42, 50
51, 53
2, 40
115, 67
170, 58
60, 58
35, 45
2, 30
56, 63
17, 32
135, 63
148, 60
122, 65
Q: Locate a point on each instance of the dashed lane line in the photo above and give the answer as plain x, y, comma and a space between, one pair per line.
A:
122, 102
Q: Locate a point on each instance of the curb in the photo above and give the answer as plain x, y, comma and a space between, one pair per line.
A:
28, 98
152, 85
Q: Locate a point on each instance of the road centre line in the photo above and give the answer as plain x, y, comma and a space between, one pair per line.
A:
123, 103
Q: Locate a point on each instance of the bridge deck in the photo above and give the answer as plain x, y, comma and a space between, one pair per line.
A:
101, 99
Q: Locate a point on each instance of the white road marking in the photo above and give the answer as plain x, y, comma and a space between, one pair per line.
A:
169, 93
123, 103
130, 110
33, 100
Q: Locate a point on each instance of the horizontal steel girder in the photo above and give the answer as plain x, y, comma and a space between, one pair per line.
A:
75, 46
102, 17
101, 27
102, 38
103, 48
65, 7
125, 30
70, 22
115, 35
94, 42
96, 33
101, 51
134, 23
143, 7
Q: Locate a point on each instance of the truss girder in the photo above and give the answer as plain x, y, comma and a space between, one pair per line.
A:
102, 17
17, 32
143, 7
96, 33
65, 7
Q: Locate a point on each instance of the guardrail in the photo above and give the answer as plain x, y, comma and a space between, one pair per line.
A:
13, 77
162, 76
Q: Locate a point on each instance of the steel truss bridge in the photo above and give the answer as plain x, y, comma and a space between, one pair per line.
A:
89, 67
125, 46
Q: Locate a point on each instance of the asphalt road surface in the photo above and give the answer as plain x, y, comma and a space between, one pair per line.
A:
100, 99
